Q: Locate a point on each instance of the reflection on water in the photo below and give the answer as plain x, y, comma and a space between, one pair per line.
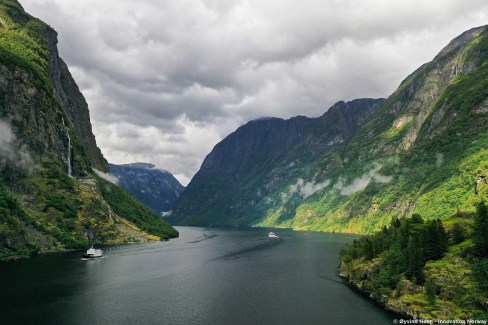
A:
207, 276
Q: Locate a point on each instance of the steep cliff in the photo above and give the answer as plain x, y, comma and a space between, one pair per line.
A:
39, 98
50, 199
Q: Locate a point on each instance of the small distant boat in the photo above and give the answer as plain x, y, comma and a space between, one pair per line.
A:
272, 235
93, 253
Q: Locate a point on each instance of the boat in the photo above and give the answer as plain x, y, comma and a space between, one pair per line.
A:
272, 235
93, 253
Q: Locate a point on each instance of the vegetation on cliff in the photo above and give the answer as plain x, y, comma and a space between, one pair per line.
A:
24, 45
418, 269
127, 207
55, 211
49, 198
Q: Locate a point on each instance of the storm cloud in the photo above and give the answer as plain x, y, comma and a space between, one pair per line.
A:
166, 80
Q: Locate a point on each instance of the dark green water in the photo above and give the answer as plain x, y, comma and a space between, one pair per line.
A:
207, 276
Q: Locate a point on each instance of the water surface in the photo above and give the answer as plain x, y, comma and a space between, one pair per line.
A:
207, 276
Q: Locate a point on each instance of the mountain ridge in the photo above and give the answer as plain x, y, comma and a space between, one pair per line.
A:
401, 160
266, 143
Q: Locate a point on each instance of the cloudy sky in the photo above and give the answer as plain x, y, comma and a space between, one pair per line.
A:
166, 80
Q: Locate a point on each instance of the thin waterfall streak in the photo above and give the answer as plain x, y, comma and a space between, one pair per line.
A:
70, 170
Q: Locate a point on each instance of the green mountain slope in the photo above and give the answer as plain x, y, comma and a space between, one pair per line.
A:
423, 151
420, 270
50, 198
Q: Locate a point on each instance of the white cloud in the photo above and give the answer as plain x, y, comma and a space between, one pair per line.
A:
12, 150
360, 183
210, 66
6, 139
108, 177
303, 189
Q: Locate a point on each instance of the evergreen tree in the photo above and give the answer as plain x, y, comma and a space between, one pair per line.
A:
404, 233
435, 240
396, 223
430, 292
443, 239
480, 231
368, 250
417, 218
457, 234
416, 260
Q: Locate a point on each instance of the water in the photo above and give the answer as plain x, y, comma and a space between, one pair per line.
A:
207, 276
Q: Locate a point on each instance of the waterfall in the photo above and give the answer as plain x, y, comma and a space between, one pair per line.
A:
70, 170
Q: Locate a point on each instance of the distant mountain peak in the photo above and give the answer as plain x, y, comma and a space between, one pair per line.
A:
143, 165
139, 165
155, 188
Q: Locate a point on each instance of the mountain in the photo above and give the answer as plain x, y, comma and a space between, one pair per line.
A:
155, 188
259, 158
422, 150
50, 197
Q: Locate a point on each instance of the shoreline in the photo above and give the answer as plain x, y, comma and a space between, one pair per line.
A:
13, 258
367, 295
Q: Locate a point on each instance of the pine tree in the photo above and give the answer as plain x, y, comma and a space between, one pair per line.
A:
442, 238
368, 250
457, 233
416, 260
396, 223
435, 240
404, 233
480, 231
430, 292
417, 218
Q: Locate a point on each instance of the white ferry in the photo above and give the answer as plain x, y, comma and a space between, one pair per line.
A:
93, 253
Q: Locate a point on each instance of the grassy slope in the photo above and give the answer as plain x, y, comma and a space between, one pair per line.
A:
127, 207
24, 45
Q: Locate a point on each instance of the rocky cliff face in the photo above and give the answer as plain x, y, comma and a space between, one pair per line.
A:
155, 188
74, 105
38, 96
254, 160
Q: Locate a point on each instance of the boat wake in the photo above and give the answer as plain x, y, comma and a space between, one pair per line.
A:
265, 244
202, 238
91, 259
